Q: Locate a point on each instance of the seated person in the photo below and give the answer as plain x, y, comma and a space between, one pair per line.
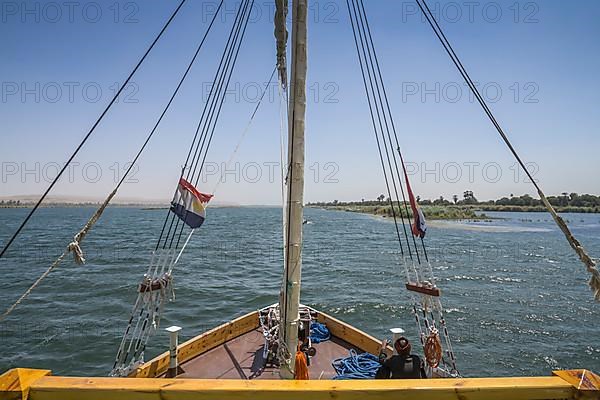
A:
403, 365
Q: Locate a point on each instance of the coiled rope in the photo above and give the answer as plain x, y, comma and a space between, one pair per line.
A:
356, 366
319, 332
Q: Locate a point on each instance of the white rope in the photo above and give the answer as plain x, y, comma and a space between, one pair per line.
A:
73, 247
183, 248
590, 264
149, 309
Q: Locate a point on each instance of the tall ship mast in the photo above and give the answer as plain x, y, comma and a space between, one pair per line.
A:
294, 178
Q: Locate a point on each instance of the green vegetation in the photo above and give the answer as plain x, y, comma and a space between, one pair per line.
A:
469, 207
10, 203
385, 210
565, 202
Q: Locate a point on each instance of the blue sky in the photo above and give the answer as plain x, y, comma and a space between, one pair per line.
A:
536, 62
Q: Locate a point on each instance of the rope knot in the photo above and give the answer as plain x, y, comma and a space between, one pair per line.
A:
74, 248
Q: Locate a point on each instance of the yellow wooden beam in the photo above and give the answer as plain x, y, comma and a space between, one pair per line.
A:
51, 388
581, 379
15, 383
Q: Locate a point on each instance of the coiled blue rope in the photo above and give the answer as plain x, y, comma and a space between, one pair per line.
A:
356, 366
319, 332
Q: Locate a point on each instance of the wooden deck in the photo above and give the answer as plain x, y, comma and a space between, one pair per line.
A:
242, 358
232, 353
235, 351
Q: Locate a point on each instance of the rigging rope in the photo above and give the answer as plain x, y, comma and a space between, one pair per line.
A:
148, 308
394, 169
590, 265
362, 68
373, 64
87, 136
393, 126
233, 62
209, 117
74, 246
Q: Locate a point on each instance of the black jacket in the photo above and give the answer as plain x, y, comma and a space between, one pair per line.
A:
402, 367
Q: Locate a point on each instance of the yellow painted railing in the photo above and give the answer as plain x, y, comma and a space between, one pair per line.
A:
21, 384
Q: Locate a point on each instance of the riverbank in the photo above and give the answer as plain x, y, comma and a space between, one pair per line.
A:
448, 211
431, 212
560, 209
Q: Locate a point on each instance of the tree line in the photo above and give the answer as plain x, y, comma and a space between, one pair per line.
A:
468, 199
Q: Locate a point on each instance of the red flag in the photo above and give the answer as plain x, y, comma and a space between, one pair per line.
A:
419, 228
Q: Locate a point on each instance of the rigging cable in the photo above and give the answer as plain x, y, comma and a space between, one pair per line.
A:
169, 215
362, 68
370, 51
393, 125
74, 246
589, 263
152, 310
210, 112
87, 136
381, 112
249, 6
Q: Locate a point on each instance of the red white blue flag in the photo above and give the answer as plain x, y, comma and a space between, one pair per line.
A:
189, 204
418, 228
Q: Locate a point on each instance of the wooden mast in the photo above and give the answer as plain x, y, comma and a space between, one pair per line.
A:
290, 298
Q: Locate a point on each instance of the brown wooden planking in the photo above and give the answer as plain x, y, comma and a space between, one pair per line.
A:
350, 334
198, 345
217, 336
241, 358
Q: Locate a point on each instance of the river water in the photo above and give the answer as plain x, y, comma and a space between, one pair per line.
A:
516, 296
